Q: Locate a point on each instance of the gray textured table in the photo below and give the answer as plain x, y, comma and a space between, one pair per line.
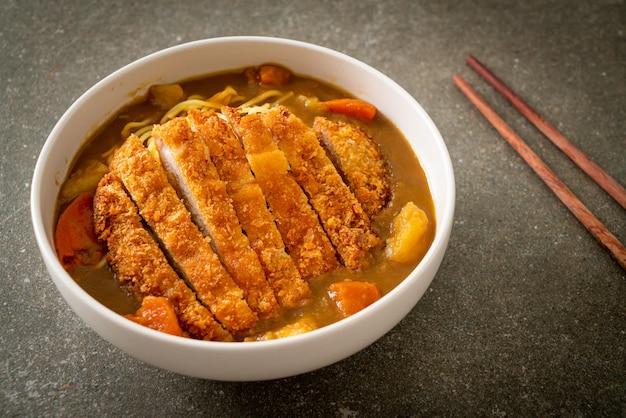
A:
527, 314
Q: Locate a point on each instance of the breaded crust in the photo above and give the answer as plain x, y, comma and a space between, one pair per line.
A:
139, 263
249, 203
306, 241
146, 182
187, 160
342, 216
358, 160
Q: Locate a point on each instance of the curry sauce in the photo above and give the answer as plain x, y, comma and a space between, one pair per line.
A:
300, 96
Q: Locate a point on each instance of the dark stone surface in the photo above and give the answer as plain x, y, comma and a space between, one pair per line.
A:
526, 316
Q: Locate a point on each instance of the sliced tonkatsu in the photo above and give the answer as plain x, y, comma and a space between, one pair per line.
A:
358, 160
249, 203
302, 233
141, 266
187, 160
238, 212
341, 214
191, 252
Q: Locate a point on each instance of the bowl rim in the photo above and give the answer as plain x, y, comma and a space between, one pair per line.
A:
46, 243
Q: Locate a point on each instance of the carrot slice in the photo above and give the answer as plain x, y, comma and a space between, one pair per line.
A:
75, 237
352, 296
274, 75
354, 108
157, 312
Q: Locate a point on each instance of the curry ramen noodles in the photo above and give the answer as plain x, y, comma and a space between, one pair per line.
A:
249, 205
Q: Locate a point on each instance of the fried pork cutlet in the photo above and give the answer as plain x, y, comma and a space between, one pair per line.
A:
187, 160
306, 241
359, 161
159, 206
139, 263
342, 216
247, 198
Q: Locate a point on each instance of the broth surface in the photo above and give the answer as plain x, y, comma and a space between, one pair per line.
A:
408, 183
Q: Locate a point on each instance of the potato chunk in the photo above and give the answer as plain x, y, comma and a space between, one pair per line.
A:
299, 326
83, 179
165, 95
408, 231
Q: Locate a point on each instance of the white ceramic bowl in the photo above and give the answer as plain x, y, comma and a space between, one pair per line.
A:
254, 360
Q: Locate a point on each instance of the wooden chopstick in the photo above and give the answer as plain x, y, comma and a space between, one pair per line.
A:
584, 215
593, 170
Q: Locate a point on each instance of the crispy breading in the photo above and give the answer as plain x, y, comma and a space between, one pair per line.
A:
342, 216
146, 182
187, 160
304, 237
249, 203
359, 161
139, 263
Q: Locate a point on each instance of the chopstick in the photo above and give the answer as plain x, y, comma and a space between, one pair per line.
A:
584, 215
593, 170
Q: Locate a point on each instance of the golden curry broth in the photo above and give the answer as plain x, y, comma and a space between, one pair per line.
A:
408, 184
